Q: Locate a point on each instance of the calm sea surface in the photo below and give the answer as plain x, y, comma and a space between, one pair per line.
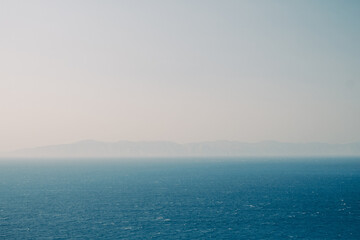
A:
175, 199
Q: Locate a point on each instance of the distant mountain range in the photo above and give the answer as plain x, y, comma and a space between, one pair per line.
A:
96, 149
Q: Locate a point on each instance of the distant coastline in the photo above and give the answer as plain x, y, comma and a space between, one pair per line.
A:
98, 149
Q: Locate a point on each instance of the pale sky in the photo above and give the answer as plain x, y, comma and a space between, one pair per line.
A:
183, 71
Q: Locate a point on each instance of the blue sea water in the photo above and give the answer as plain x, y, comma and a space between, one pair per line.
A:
181, 199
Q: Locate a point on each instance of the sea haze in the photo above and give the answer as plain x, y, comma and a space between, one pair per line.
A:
97, 149
219, 198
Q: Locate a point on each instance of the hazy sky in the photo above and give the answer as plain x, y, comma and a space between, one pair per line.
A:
182, 71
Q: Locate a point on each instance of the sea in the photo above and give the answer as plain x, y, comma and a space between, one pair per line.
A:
192, 198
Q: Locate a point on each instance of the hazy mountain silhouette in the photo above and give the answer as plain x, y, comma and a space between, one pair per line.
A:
97, 149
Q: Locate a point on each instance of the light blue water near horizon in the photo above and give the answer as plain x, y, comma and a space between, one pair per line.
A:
181, 199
